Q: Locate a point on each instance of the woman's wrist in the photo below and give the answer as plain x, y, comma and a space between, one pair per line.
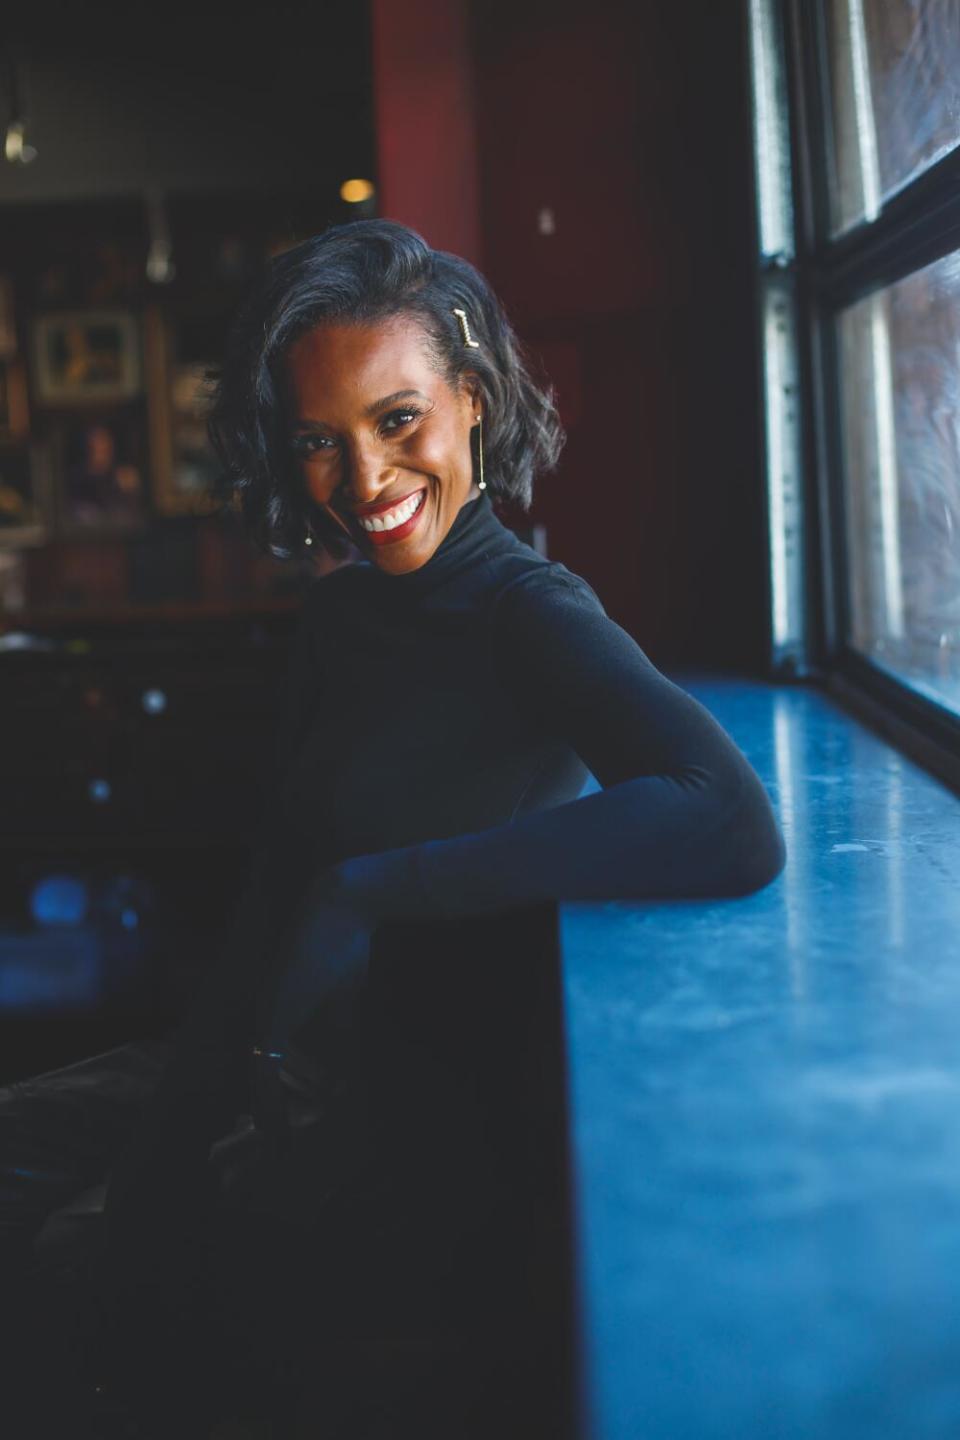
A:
385, 885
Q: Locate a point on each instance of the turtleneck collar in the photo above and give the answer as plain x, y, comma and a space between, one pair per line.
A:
475, 534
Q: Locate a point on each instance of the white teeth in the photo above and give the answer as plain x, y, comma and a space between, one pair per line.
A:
393, 518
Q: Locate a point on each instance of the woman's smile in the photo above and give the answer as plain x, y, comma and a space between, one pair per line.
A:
385, 525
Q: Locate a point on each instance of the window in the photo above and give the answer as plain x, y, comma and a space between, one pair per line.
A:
900, 388
892, 84
856, 108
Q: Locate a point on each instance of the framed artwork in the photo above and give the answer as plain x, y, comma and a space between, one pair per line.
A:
23, 502
183, 463
14, 412
86, 357
99, 474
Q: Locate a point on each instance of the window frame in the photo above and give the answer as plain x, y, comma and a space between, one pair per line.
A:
919, 224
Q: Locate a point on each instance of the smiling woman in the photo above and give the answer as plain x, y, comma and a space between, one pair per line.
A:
393, 477
365, 368
450, 694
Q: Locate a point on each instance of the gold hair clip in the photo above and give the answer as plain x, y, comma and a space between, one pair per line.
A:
465, 327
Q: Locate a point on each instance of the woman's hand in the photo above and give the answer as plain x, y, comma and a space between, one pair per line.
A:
322, 967
309, 1002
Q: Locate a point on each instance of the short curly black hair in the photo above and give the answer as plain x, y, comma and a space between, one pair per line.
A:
361, 272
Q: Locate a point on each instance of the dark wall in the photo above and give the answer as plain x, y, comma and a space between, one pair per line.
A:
187, 96
629, 123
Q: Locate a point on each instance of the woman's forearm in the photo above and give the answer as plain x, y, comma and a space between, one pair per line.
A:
679, 836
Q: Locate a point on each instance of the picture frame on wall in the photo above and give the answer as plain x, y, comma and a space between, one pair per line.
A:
100, 474
86, 357
183, 464
24, 496
14, 409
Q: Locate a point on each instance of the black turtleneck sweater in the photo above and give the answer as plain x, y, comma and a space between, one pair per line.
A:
438, 729
445, 722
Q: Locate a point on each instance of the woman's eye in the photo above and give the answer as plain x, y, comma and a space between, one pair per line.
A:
404, 417
310, 444
307, 445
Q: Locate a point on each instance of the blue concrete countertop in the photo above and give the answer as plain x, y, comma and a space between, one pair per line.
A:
765, 1112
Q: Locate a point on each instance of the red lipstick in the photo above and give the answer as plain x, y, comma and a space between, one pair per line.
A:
399, 532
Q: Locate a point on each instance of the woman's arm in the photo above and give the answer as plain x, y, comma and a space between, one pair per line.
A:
682, 813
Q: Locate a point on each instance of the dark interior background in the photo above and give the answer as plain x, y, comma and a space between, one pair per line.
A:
594, 163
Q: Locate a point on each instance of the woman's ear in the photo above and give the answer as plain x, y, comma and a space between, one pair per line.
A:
471, 387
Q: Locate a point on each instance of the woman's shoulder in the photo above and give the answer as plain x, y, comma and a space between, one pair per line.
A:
517, 586
538, 586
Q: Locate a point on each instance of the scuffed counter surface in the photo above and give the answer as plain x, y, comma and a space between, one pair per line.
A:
765, 1113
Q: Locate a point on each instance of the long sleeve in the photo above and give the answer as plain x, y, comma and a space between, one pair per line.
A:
682, 813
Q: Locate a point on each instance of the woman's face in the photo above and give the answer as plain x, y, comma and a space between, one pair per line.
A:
377, 432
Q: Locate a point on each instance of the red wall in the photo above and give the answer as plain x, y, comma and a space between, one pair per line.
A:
424, 115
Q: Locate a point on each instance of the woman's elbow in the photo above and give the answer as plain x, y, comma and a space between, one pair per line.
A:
754, 849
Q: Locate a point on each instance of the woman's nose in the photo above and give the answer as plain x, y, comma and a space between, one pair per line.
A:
369, 474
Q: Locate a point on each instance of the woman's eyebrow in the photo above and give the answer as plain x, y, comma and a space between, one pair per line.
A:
379, 405
372, 409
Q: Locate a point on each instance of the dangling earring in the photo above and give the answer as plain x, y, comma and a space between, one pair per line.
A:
481, 483
308, 539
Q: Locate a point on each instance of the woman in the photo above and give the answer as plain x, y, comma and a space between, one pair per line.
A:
450, 692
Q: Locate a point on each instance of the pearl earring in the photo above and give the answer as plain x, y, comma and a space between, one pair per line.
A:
481, 483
